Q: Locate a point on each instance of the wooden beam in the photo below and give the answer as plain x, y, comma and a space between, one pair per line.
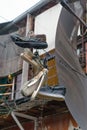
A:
6, 85
25, 70
5, 94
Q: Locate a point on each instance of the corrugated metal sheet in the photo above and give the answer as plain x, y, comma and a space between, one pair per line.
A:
10, 61
69, 70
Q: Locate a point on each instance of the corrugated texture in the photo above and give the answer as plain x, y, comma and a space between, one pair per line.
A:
10, 61
70, 73
52, 73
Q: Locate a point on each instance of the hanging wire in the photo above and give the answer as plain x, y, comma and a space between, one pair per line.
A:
68, 42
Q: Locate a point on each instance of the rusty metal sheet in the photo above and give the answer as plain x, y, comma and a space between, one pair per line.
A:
10, 60
70, 73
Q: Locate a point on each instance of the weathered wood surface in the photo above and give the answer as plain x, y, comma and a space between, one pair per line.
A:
6, 85
70, 73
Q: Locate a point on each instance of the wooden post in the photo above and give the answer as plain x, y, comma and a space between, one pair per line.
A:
13, 88
86, 45
86, 55
25, 70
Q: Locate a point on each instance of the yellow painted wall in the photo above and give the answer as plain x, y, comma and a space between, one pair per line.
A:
52, 78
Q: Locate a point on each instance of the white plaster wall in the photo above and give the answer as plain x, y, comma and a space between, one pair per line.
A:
46, 23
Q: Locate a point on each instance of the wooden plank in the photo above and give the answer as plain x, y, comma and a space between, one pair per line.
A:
6, 85
52, 78
25, 70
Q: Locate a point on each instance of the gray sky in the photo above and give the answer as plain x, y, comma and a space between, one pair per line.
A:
10, 9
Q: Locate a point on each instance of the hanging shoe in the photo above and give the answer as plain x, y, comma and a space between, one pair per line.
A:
36, 42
